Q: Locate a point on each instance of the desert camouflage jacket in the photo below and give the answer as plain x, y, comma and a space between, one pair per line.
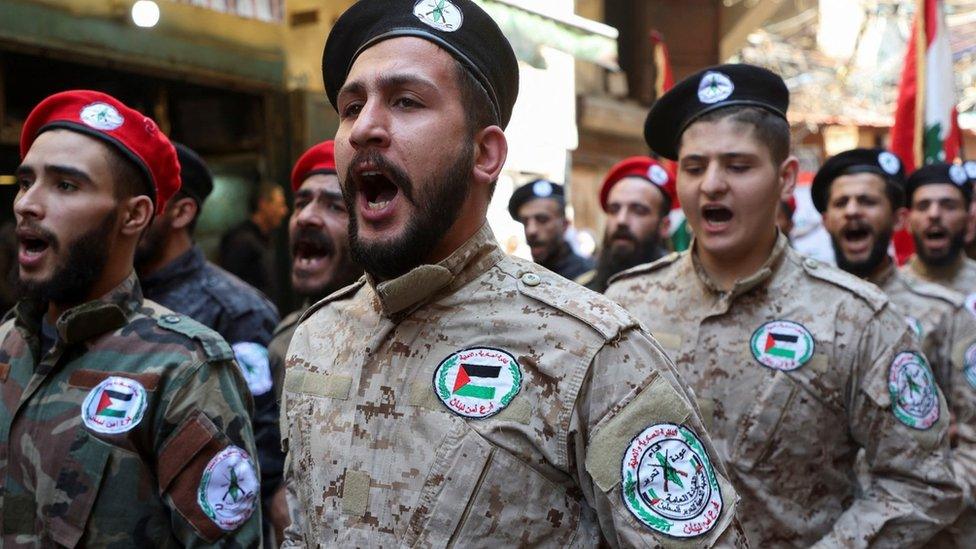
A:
133, 430
959, 276
798, 367
485, 401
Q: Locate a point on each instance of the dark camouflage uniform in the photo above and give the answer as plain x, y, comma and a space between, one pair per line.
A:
64, 483
193, 286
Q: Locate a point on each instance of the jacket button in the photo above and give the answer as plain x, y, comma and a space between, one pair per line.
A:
531, 279
172, 319
810, 263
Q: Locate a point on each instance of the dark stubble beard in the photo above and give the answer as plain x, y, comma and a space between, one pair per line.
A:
77, 273
864, 269
437, 204
613, 261
955, 248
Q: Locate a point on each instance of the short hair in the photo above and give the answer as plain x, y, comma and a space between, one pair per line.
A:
264, 192
770, 129
129, 179
478, 109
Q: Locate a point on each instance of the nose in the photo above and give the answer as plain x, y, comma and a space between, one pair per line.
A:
713, 181
28, 203
371, 127
308, 216
852, 208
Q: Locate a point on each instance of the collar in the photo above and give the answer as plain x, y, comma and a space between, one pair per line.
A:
181, 268
884, 276
743, 285
420, 285
83, 322
936, 273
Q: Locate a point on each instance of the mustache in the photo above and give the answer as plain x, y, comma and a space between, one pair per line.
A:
394, 173
312, 238
623, 232
46, 235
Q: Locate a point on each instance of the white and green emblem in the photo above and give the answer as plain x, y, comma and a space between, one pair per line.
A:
914, 397
669, 483
714, 87
114, 406
228, 488
971, 303
889, 162
255, 365
782, 345
478, 382
101, 116
440, 14
969, 365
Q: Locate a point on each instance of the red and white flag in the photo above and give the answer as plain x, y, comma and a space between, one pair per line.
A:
926, 129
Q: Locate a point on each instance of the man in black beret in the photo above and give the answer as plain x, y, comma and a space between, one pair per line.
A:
455, 395
174, 273
540, 206
792, 356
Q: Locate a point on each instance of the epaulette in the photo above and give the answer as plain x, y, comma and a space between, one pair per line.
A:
341, 293
870, 293
213, 345
286, 323
929, 289
591, 308
656, 265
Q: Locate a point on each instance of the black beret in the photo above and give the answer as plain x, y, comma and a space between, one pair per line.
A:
877, 161
540, 188
706, 91
196, 177
941, 173
460, 27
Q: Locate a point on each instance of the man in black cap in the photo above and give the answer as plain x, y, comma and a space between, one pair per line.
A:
939, 202
801, 365
455, 395
541, 207
174, 273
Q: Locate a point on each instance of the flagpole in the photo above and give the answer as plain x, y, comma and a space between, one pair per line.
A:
921, 54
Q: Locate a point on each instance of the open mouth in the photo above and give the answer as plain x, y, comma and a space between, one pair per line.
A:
376, 188
310, 255
936, 235
716, 215
32, 246
856, 235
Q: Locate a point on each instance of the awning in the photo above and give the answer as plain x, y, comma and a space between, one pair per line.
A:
528, 29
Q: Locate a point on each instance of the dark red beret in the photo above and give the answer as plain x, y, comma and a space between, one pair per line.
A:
645, 168
104, 117
318, 159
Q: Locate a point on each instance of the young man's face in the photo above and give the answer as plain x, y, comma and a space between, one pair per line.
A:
66, 212
545, 227
860, 220
403, 151
729, 187
634, 220
317, 234
938, 220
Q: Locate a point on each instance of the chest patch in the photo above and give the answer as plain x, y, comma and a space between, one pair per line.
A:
669, 483
116, 405
782, 345
228, 488
914, 398
969, 365
477, 382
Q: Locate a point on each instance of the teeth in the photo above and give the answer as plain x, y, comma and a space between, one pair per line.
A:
377, 205
370, 174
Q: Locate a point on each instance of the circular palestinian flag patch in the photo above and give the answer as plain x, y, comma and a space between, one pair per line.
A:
914, 398
969, 365
669, 483
228, 488
114, 406
478, 382
782, 345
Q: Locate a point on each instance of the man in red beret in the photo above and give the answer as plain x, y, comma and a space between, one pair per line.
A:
636, 195
119, 419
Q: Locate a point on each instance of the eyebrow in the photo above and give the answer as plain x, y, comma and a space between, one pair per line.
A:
309, 194
388, 81
58, 169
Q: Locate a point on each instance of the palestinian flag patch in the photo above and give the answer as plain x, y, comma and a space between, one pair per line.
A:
782, 345
914, 398
478, 382
668, 482
114, 406
228, 489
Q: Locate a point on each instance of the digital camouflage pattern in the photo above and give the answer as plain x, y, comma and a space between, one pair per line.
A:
278, 348
960, 276
377, 459
64, 483
948, 334
789, 427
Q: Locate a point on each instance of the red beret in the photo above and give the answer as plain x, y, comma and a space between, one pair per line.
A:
645, 168
104, 117
318, 159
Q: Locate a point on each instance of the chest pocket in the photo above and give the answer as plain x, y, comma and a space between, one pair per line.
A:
757, 429
76, 488
477, 492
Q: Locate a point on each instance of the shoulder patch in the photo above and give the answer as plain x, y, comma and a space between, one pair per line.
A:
936, 291
591, 308
341, 293
213, 345
870, 293
661, 263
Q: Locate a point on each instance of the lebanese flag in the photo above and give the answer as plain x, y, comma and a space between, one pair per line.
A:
926, 129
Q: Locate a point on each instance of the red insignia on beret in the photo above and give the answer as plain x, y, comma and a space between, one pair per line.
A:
106, 118
318, 159
645, 168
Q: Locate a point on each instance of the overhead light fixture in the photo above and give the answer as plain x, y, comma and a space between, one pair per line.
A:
145, 13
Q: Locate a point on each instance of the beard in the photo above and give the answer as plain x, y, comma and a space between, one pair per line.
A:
956, 244
437, 204
864, 268
74, 277
150, 247
615, 260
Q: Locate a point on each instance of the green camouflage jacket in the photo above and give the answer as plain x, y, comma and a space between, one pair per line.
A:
133, 430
